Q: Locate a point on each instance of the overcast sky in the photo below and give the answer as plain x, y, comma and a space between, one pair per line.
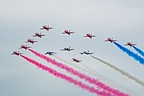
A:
123, 20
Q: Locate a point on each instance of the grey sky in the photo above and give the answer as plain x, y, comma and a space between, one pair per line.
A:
20, 19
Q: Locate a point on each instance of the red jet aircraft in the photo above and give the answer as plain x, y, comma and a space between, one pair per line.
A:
24, 47
16, 53
67, 32
31, 41
89, 35
38, 35
110, 40
46, 28
130, 44
76, 60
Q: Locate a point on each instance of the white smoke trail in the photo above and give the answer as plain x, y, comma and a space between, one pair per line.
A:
121, 71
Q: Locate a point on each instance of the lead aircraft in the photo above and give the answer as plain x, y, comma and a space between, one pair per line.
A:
45, 27
67, 32
89, 35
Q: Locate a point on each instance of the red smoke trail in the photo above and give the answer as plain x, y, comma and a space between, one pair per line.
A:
82, 76
67, 78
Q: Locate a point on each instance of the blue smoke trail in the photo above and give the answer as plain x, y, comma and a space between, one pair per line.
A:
130, 53
139, 50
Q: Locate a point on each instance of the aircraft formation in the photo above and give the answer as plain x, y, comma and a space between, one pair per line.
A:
40, 35
67, 32
77, 60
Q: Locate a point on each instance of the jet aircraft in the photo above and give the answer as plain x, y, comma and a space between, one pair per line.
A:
46, 28
86, 52
76, 60
130, 44
67, 49
110, 40
38, 35
67, 32
50, 53
24, 47
16, 53
32, 41
89, 35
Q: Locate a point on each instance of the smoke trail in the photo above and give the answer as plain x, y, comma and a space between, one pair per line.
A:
130, 53
67, 78
80, 75
121, 71
89, 70
139, 50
